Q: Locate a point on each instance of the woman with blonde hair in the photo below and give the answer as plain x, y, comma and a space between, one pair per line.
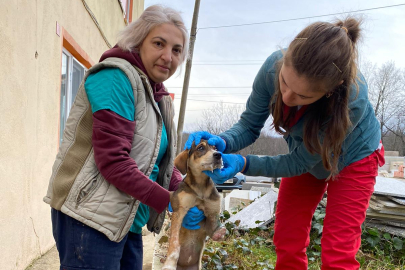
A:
318, 100
114, 172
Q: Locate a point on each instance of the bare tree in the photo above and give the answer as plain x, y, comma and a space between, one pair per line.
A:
387, 94
266, 145
395, 139
368, 70
221, 117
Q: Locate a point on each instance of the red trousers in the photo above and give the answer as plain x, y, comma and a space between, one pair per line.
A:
348, 199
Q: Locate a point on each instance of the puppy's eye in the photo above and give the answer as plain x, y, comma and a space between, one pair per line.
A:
200, 148
214, 148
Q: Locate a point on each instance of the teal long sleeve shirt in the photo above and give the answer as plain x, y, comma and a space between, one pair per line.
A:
362, 138
110, 89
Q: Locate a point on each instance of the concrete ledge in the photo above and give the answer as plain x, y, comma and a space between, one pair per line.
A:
249, 185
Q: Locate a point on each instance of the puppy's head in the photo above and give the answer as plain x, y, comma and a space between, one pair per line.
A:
201, 157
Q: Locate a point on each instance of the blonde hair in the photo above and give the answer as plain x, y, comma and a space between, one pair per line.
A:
132, 36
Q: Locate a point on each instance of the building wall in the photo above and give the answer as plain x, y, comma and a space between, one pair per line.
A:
30, 76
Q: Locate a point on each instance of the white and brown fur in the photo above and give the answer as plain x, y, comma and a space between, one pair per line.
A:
197, 189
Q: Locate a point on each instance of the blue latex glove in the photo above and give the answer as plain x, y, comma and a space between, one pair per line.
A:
232, 165
212, 140
192, 218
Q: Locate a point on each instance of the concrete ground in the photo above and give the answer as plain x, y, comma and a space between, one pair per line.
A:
50, 261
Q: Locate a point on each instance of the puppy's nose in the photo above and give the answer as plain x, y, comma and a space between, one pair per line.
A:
217, 155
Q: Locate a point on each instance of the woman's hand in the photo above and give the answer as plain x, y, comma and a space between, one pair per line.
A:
232, 165
212, 140
192, 218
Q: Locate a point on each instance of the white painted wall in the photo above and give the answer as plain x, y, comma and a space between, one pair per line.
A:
30, 71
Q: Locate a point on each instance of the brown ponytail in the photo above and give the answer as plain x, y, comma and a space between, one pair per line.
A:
326, 54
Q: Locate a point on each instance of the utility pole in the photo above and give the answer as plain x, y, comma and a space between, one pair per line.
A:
189, 63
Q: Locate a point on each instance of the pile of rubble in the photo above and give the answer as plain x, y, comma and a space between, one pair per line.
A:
387, 206
386, 210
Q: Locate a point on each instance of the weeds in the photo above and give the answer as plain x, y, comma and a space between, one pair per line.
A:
254, 249
242, 249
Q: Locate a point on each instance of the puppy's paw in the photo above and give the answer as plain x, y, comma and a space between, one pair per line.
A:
219, 234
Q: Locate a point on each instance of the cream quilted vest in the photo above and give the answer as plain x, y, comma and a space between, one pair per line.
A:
76, 186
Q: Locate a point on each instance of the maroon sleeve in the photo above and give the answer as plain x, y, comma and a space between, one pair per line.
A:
175, 180
112, 141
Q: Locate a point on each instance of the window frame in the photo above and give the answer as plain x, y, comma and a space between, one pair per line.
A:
69, 91
126, 10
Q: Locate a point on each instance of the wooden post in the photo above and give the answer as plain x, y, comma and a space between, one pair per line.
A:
189, 62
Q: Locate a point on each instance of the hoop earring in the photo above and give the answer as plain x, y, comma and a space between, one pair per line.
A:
329, 94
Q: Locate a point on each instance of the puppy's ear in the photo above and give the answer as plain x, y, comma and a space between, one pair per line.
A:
181, 161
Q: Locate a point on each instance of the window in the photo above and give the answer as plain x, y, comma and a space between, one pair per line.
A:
126, 8
72, 75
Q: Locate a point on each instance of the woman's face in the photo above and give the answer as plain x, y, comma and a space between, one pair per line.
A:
297, 90
161, 52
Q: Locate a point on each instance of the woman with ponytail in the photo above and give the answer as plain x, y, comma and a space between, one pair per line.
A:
318, 100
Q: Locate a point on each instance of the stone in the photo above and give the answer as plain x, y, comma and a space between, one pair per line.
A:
242, 194
259, 179
383, 216
383, 173
389, 186
387, 222
375, 205
389, 160
383, 205
251, 185
391, 153
261, 210
234, 203
263, 190
394, 166
386, 202
389, 229
397, 200
392, 212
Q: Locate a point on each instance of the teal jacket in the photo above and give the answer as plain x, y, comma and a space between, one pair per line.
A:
362, 139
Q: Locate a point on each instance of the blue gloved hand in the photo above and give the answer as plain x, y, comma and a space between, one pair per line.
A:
232, 165
192, 218
212, 140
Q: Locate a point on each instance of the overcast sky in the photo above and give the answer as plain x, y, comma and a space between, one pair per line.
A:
231, 56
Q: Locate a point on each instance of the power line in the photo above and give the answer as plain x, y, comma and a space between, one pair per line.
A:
210, 87
216, 95
225, 102
236, 64
301, 18
228, 60
194, 110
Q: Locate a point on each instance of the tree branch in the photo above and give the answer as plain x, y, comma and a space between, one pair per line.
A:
395, 133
